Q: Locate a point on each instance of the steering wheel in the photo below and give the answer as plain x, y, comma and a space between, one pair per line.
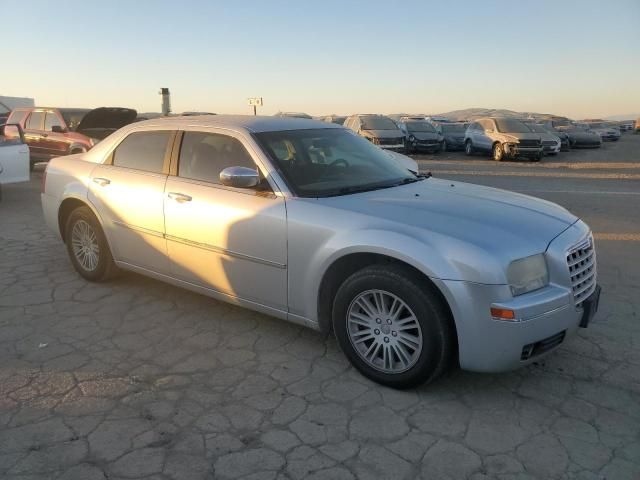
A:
339, 161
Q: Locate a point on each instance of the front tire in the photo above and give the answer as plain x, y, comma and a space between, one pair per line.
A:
468, 148
498, 152
87, 246
392, 327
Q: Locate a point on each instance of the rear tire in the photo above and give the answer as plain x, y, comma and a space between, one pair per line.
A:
87, 246
413, 346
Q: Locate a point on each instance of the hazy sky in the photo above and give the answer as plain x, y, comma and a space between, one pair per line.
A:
577, 58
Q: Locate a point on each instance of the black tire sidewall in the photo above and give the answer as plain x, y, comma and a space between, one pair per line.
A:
426, 307
105, 261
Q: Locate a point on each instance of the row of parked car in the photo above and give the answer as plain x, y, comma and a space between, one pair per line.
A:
501, 137
51, 132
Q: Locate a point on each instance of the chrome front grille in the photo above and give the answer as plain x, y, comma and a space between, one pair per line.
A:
581, 260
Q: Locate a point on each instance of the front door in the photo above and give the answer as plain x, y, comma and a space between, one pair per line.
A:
33, 134
128, 192
228, 239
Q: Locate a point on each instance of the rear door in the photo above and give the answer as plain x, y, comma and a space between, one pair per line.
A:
128, 193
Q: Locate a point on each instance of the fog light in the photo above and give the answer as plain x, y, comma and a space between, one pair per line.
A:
502, 314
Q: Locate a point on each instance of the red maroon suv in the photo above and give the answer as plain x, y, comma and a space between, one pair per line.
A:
54, 132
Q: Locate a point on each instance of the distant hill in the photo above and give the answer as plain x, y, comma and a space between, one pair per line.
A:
628, 116
473, 113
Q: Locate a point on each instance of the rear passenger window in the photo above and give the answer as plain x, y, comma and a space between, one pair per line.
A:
204, 155
34, 122
142, 151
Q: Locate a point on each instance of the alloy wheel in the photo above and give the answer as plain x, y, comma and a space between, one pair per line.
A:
384, 331
85, 246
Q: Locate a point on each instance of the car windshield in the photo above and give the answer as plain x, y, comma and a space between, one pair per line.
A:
378, 123
420, 127
73, 117
510, 125
453, 127
331, 161
596, 125
537, 128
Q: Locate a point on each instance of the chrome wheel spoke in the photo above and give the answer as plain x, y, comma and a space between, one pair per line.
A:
384, 331
84, 244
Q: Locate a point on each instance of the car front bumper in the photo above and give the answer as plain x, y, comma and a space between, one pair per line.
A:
396, 147
514, 150
431, 146
552, 148
544, 319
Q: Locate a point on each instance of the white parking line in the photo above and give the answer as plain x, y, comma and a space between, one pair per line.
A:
569, 165
579, 192
621, 237
594, 176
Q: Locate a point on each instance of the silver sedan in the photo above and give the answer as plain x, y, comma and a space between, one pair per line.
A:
306, 221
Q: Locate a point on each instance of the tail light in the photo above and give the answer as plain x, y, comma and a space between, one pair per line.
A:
43, 182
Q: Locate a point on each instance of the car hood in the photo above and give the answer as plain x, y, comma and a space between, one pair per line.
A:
110, 118
522, 136
583, 134
549, 136
488, 218
382, 133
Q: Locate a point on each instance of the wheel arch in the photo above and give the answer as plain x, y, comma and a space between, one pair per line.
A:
343, 267
67, 206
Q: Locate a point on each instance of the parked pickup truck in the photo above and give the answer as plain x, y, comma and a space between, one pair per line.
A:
14, 156
54, 132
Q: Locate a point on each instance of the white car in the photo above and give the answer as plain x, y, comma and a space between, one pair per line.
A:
14, 155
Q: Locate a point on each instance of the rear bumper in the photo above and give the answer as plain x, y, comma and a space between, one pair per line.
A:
50, 207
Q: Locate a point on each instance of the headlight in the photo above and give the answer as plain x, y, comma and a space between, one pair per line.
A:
527, 274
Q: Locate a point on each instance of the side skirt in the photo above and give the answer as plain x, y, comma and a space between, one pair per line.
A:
224, 297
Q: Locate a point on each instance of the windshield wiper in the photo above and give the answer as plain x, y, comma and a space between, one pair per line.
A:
368, 188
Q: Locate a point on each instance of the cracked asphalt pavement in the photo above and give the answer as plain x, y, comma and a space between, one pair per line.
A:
138, 379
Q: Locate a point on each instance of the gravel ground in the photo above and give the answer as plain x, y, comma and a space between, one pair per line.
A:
138, 379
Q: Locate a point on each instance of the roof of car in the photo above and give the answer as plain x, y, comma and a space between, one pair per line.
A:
250, 123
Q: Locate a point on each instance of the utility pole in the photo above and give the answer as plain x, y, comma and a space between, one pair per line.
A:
255, 102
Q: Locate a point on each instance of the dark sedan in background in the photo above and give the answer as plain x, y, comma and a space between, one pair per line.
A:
420, 135
453, 136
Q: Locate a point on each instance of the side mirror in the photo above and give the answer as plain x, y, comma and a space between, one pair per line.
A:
239, 177
58, 129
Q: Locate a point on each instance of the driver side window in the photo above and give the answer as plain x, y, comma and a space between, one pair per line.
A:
204, 155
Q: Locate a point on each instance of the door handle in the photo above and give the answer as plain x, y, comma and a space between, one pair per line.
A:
179, 197
102, 181
45, 135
